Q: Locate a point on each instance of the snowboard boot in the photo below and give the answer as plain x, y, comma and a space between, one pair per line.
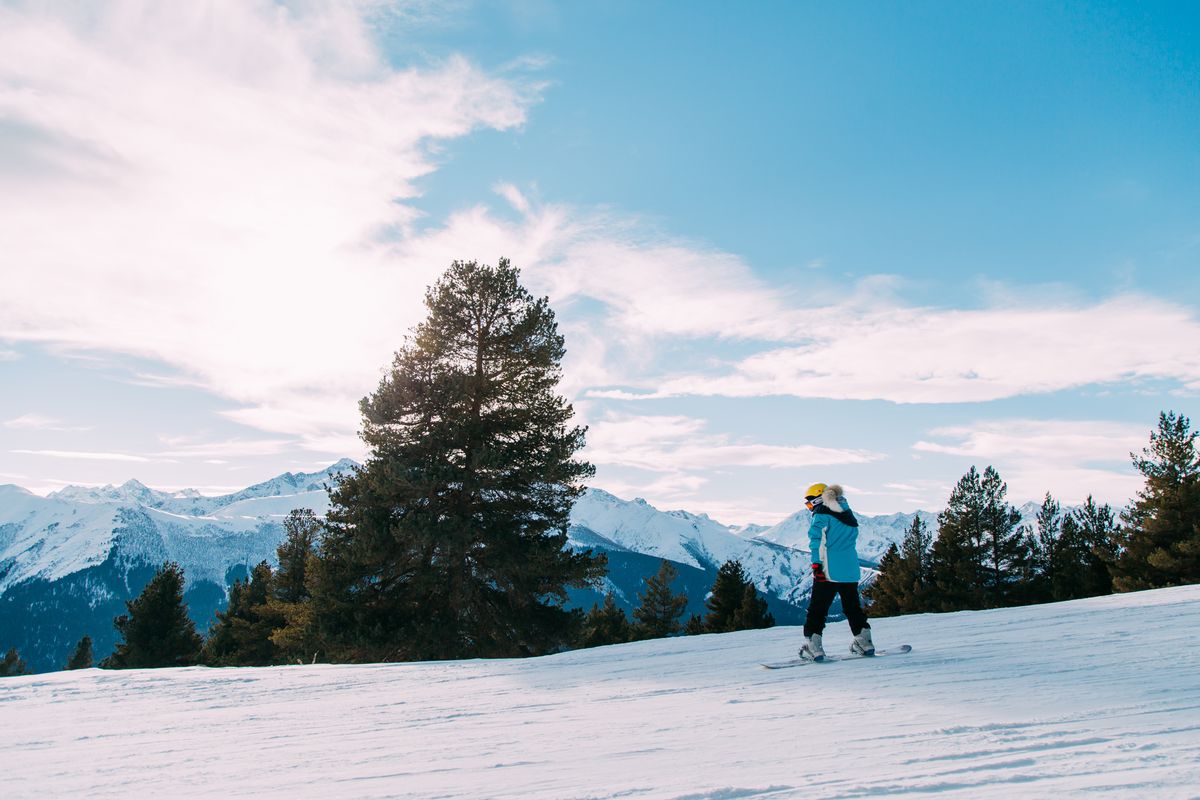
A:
812, 650
862, 644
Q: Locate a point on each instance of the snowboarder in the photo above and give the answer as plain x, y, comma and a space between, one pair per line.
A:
832, 539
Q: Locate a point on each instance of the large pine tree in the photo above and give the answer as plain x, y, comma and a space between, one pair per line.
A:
156, 631
1160, 538
450, 541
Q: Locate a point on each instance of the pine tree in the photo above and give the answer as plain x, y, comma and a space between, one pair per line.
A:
1001, 538
289, 610
1027, 585
902, 585
156, 631
605, 625
694, 626
752, 614
725, 599
1068, 558
302, 528
1098, 532
241, 635
12, 664
887, 593
1160, 538
660, 609
1048, 554
977, 545
82, 658
450, 541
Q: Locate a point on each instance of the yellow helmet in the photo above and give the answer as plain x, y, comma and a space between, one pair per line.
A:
814, 491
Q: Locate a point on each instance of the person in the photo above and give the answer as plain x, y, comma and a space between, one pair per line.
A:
833, 537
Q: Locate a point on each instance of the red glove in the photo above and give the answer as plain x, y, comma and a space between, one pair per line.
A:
819, 573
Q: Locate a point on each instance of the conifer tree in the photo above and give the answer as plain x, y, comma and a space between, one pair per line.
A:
725, 599
1160, 537
82, 658
1048, 554
888, 592
1098, 532
12, 664
977, 544
450, 541
1001, 538
660, 609
302, 529
734, 604
156, 631
241, 635
694, 626
752, 614
288, 609
605, 625
902, 586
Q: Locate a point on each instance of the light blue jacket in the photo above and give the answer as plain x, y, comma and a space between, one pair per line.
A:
833, 540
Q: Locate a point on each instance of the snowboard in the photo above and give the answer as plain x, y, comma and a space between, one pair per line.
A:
800, 662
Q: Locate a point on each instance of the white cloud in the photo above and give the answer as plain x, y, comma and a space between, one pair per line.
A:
1068, 458
233, 177
663, 443
84, 456
911, 355
195, 447
38, 422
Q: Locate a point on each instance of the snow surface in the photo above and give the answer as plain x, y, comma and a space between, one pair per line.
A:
1090, 698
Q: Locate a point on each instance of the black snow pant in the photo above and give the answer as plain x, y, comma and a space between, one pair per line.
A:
822, 597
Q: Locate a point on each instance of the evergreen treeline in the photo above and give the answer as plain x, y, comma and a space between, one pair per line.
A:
981, 557
732, 605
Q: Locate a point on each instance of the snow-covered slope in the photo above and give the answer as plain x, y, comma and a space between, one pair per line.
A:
1092, 698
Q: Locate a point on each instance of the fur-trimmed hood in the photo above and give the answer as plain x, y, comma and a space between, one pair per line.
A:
832, 497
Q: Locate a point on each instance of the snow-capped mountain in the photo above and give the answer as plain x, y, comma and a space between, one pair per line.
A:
70, 560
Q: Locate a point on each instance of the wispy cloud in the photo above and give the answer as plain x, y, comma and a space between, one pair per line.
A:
1068, 458
85, 455
911, 355
39, 422
218, 451
673, 443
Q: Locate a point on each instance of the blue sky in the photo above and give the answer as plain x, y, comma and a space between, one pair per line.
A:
865, 243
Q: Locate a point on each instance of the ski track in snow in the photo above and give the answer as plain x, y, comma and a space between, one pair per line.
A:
1091, 698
